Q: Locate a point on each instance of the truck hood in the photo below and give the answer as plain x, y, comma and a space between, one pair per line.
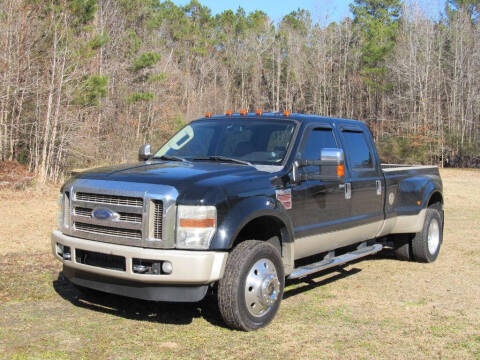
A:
194, 181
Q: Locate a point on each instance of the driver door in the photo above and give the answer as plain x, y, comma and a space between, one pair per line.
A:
319, 207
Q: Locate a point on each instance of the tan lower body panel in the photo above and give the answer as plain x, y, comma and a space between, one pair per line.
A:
403, 224
315, 244
189, 267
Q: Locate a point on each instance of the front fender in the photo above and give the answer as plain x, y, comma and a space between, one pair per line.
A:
245, 211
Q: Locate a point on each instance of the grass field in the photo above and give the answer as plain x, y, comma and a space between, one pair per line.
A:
373, 309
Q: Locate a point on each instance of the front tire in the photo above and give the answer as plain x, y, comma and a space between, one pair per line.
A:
251, 289
426, 244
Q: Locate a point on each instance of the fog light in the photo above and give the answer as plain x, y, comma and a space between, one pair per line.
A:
59, 250
167, 267
141, 269
64, 252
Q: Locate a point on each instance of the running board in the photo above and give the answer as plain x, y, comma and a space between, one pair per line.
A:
329, 262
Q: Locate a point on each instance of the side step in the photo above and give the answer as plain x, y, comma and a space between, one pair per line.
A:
330, 261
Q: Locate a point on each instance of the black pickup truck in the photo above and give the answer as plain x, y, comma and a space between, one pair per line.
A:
236, 204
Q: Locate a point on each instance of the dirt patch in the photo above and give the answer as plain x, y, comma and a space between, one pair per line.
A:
27, 218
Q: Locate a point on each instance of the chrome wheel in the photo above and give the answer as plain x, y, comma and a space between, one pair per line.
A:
261, 287
433, 236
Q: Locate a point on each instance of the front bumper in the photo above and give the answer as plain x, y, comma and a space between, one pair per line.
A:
190, 268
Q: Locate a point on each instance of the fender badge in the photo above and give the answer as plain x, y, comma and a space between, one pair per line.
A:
285, 198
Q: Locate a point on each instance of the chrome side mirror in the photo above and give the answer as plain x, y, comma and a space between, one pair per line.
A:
330, 167
145, 152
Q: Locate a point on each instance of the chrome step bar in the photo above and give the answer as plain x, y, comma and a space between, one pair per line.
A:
331, 261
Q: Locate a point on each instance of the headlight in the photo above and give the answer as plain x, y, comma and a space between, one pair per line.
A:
195, 226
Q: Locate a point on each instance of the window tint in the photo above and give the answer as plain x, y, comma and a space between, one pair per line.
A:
259, 142
317, 140
358, 152
197, 144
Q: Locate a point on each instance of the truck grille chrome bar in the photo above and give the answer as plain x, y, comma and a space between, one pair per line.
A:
158, 219
109, 199
128, 217
107, 230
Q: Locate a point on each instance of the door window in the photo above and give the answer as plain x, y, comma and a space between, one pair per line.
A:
317, 139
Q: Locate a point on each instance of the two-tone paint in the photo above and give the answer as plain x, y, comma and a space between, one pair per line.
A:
381, 200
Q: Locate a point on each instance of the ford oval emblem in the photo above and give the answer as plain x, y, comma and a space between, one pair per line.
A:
105, 214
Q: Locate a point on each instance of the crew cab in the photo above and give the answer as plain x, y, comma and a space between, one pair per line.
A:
236, 204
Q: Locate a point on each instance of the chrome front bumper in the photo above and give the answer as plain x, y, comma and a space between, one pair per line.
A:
189, 267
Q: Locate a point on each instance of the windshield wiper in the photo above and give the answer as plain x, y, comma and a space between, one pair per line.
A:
223, 158
171, 158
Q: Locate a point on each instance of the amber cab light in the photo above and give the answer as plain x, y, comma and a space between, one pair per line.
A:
286, 113
229, 112
259, 112
208, 114
243, 112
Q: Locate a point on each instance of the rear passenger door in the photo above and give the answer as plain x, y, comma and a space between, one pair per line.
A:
366, 182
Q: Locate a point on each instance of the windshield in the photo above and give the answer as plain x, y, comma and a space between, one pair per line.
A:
251, 141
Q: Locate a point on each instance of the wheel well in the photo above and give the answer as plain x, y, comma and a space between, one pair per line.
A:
436, 200
263, 228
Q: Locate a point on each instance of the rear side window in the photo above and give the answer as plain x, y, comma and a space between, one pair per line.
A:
358, 152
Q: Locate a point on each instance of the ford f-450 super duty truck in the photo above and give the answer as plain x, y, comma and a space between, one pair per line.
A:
236, 204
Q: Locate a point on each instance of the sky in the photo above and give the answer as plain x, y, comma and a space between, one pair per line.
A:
323, 11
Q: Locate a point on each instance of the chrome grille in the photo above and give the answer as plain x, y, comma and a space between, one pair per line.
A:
146, 213
128, 217
109, 199
108, 230
158, 219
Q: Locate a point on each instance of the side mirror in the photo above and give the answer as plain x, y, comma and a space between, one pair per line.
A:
331, 167
144, 152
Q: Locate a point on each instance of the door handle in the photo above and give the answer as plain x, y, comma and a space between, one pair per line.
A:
348, 191
379, 187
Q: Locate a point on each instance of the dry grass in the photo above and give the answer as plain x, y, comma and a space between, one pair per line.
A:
377, 308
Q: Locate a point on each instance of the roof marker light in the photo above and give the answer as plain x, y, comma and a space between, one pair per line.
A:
286, 113
259, 112
229, 113
243, 112
208, 114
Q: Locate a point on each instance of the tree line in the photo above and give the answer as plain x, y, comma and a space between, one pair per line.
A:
84, 82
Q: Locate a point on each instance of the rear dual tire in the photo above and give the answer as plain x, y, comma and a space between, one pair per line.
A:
425, 245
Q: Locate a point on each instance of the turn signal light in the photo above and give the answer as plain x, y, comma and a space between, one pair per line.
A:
243, 112
229, 113
286, 113
208, 114
197, 223
259, 112
340, 170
